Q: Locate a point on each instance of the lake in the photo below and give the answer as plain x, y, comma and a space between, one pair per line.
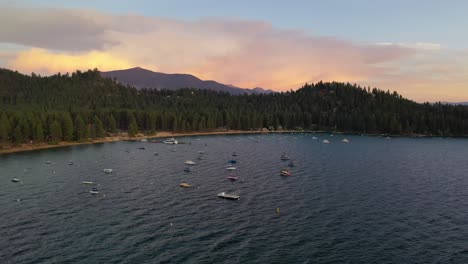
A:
374, 200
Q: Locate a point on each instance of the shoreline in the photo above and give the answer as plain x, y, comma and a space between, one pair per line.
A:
165, 134
124, 137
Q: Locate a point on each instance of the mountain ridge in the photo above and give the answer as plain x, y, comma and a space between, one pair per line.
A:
143, 78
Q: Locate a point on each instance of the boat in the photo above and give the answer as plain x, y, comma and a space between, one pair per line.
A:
345, 140
325, 141
142, 148
201, 152
231, 168
189, 162
234, 154
232, 178
200, 158
94, 191
156, 154
88, 182
48, 162
284, 157
232, 161
107, 170
285, 173
229, 196
187, 169
185, 185
314, 138
144, 140
291, 164
171, 141
70, 163
388, 138
15, 180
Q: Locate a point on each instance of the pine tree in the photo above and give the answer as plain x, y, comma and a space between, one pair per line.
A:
112, 124
133, 127
99, 131
55, 132
38, 132
67, 127
81, 133
4, 128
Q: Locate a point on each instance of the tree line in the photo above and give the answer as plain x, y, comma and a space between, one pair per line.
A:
84, 105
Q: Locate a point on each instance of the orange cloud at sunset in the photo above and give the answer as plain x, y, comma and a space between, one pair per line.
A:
243, 53
40, 60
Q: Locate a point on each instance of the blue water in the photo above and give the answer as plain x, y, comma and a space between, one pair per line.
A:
373, 200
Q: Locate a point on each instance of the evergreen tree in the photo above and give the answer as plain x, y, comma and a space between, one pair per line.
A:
67, 127
133, 127
99, 131
112, 124
81, 133
55, 132
4, 128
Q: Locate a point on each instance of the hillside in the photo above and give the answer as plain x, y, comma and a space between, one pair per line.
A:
142, 78
84, 105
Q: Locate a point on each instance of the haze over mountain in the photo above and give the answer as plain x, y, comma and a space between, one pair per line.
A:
143, 78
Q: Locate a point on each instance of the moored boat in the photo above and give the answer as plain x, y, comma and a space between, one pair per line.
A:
94, 191
189, 162
107, 170
232, 178
229, 196
231, 168
345, 140
285, 173
185, 185
232, 161
325, 141
87, 182
284, 157
15, 180
170, 141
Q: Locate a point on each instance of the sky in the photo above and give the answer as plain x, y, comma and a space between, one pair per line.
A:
417, 48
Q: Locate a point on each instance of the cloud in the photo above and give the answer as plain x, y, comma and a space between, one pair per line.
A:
239, 52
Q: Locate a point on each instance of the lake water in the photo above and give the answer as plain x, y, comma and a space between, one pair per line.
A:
373, 200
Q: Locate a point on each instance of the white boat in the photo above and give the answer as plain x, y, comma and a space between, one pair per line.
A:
189, 162
229, 196
231, 168
15, 180
88, 182
107, 170
325, 141
94, 191
388, 138
171, 141
144, 140
314, 138
345, 140
201, 152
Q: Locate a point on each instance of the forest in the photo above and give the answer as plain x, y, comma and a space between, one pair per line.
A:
83, 106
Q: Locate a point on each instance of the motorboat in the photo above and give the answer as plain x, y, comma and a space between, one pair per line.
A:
232, 178
70, 163
231, 168
229, 196
286, 173
345, 140
15, 180
185, 185
314, 138
232, 161
107, 170
189, 162
325, 141
94, 191
142, 148
234, 154
48, 162
284, 157
88, 182
144, 140
171, 141
201, 152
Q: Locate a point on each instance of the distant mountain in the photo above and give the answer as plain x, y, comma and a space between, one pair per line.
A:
142, 78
